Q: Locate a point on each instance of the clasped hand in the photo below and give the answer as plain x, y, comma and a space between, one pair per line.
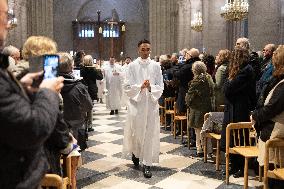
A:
146, 84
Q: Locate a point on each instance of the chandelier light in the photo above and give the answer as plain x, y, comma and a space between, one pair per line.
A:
235, 10
196, 23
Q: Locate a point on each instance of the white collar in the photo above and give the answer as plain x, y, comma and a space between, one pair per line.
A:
144, 61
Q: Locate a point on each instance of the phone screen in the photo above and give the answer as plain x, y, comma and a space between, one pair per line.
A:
50, 66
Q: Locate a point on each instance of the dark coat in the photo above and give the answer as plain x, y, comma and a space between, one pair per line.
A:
240, 98
58, 140
25, 127
169, 89
76, 100
184, 75
264, 113
198, 99
90, 75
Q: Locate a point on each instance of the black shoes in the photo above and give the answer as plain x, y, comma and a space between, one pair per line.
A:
112, 112
239, 173
135, 160
146, 171
200, 154
231, 172
90, 129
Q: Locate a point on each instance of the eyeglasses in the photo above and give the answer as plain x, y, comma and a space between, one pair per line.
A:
9, 16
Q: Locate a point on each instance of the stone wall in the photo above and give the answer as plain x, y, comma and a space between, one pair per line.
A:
162, 23
165, 22
133, 12
18, 35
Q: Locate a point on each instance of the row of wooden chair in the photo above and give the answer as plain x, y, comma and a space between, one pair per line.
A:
242, 135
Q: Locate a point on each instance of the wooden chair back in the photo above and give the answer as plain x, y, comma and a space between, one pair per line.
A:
169, 103
274, 153
54, 180
240, 133
240, 143
180, 118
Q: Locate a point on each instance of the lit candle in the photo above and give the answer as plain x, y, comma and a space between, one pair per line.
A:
123, 27
100, 30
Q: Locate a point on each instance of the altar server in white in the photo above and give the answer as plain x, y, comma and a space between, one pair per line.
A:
144, 86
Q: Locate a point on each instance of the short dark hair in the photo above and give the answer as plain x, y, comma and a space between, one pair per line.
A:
143, 41
128, 57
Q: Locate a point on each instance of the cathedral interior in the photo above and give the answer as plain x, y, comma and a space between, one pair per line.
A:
112, 28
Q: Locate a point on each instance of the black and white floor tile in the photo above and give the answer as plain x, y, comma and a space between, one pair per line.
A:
103, 166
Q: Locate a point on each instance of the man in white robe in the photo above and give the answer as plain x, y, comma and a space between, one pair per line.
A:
144, 86
124, 68
113, 79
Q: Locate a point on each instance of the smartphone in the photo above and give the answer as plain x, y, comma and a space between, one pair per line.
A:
50, 66
47, 63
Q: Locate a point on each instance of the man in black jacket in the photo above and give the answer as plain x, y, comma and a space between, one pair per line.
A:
76, 99
25, 125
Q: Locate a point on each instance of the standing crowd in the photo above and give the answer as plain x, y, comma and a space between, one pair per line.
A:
43, 119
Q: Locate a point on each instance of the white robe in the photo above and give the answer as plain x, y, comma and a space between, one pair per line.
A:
113, 86
124, 98
142, 128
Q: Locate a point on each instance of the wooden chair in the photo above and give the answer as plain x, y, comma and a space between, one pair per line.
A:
188, 128
54, 180
276, 147
162, 114
69, 180
242, 145
215, 136
181, 119
169, 109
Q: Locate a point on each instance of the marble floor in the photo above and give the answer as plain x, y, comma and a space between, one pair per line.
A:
103, 166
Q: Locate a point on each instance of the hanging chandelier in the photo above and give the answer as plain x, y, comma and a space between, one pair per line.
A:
196, 23
235, 10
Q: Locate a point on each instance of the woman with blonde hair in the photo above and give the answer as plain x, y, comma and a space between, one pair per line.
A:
90, 76
34, 46
240, 99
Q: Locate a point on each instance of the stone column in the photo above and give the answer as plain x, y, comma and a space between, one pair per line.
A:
214, 32
184, 18
18, 35
162, 17
264, 23
40, 17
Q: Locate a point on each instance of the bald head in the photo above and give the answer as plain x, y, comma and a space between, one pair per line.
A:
194, 52
268, 50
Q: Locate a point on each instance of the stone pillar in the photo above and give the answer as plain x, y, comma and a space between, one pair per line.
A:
40, 17
184, 30
18, 35
214, 32
162, 17
264, 23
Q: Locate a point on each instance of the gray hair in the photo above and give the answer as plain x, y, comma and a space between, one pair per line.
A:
10, 50
66, 62
198, 68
